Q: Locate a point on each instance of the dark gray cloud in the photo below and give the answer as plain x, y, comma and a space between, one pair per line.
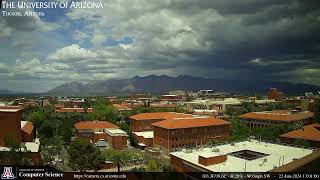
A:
247, 39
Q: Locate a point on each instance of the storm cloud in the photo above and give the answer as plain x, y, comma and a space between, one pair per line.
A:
248, 40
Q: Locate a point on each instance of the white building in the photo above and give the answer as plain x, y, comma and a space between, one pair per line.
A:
245, 156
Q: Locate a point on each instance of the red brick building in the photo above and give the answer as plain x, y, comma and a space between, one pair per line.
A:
173, 134
102, 130
276, 117
10, 124
143, 121
275, 94
23, 132
144, 138
310, 133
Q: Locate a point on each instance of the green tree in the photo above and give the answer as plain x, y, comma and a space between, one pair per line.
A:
120, 158
83, 155
238, 130
52, 149
295, 126
37, 118
103, 111
301, 142
316, 111
47, 129
153, 166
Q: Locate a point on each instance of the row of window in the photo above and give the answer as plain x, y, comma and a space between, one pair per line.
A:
196, 130
186, 145
214, 134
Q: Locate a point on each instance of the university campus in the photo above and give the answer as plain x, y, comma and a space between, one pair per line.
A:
172, 89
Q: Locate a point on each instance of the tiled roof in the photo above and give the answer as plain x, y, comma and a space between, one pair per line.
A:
309, 132
70, 110
28, 127
10, 108
122, 107
190, 122
278, 115
94, 125
159, 115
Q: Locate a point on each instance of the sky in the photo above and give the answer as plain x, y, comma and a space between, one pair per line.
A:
222, 39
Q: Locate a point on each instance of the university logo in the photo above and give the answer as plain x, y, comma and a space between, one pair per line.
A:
7, 173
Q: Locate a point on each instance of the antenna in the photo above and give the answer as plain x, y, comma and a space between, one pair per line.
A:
245, 166
279, 161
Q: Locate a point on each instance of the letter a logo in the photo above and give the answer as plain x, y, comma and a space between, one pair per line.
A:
7, 173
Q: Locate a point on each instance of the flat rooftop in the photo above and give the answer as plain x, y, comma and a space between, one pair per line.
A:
144, 134
116, 132
30, 146
276, 155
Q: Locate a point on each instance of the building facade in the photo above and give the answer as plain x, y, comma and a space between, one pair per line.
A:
10, 124
143, 121
22, 132
102, 131
174, 134
277, 117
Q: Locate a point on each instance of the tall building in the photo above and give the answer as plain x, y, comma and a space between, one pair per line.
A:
22, 132
275, 94
10, 124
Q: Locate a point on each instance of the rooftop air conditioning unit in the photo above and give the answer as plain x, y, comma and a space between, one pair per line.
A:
215, 150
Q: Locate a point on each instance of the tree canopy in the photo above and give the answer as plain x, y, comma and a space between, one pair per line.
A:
83, 155
120, 158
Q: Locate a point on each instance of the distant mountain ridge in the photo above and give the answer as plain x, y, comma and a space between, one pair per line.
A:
163, 84
5, 91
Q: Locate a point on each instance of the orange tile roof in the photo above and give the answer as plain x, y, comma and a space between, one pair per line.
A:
94, 125
122, 107
12, 107
190, 122
70, 110
159, 115
309, 132
278, 115
28, 127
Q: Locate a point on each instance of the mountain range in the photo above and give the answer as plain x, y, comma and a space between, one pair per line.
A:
5, 91
163, 84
